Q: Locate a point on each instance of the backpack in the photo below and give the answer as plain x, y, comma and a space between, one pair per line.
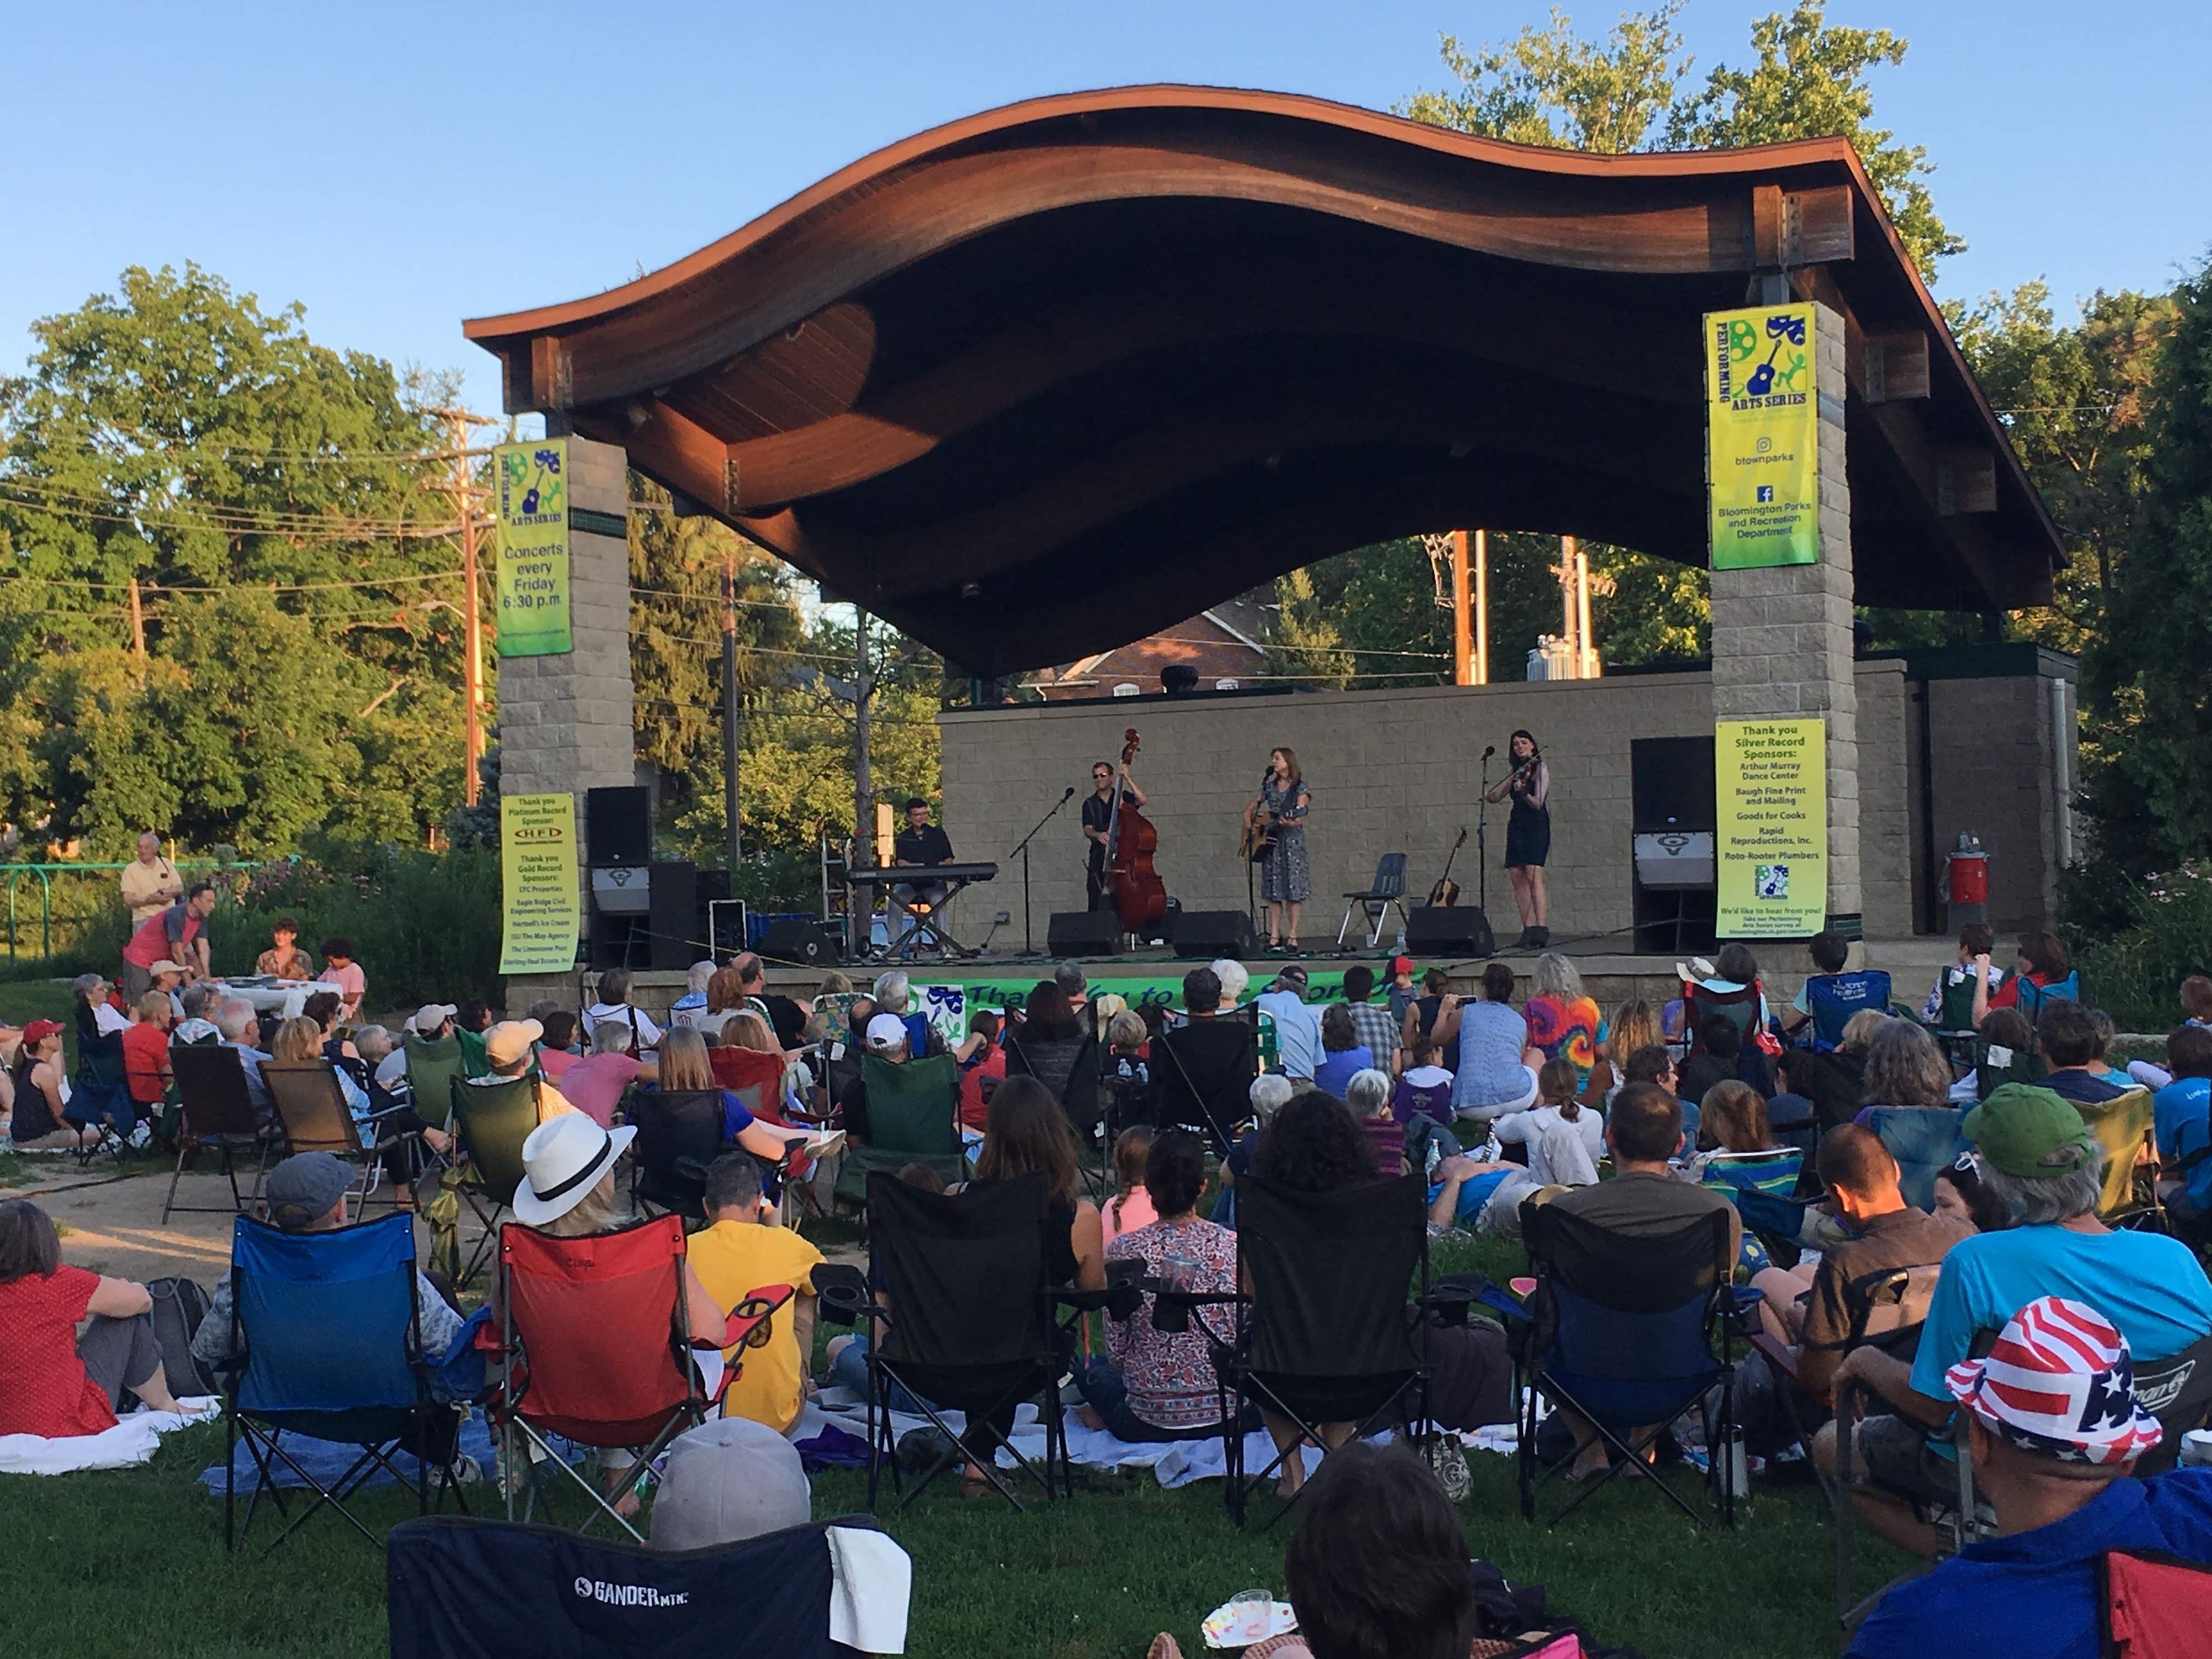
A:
179, 1304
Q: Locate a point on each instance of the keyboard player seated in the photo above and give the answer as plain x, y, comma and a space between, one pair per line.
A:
920, 843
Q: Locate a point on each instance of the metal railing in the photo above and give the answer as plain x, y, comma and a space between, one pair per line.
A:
88, 917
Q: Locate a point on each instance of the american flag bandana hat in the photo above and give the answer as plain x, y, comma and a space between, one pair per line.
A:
2060, 1382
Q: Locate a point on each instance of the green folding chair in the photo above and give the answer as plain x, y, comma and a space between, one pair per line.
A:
914, 1117
431, 1069
492, 1119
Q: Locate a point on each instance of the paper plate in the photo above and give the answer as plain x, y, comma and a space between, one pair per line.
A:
1281, 1622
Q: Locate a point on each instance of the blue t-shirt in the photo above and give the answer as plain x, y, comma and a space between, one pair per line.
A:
1298, 1032
2152, 1287
2182, 1112
1336, 1067
1490, 1074
2034, 1595
1473, 1194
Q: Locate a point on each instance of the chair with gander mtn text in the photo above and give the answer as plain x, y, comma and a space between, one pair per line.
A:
1323, 1335
598, 1349
1630, 1332
216, 1112
1377, 900
328, 1327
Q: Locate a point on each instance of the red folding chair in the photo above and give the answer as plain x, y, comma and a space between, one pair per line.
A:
597, 1344
756, 1079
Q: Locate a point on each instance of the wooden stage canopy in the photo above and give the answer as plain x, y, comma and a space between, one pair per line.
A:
1043, 380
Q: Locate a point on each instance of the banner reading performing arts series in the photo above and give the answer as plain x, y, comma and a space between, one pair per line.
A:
540, 899
1762, 438
1771, 777
533, 547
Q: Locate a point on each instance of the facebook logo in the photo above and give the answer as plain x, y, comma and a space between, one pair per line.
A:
1765, 492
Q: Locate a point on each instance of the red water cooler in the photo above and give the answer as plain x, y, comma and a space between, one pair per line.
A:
1966, 883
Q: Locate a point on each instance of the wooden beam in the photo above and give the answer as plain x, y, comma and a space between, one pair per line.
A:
1966, 480
1894, 367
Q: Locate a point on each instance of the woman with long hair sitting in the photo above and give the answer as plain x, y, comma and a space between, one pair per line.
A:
684, 1065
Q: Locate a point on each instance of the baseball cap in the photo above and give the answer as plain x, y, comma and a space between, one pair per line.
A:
304, 1187
728, 1480
39, 1031
886, 1031
2029, 1133
2060, 1382
1402, 965
430, 1016
507, 1043
165, 966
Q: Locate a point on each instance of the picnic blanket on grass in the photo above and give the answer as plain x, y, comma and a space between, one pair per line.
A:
132, 1441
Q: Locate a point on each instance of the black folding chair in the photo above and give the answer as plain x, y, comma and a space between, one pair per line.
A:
963, 1320
311, 1105
1077, 1088
1629, 1332
1323, 1335
1202, 1077
216, 1112
679, 1134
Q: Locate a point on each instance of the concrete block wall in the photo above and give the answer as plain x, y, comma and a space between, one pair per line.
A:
1993, 747
1885, 818
1390, 770
565, 722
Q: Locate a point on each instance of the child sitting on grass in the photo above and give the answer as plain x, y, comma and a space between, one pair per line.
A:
1132, 1207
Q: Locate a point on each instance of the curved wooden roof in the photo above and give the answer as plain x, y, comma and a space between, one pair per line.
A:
1045, 380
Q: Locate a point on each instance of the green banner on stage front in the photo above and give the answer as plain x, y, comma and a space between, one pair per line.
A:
1772, 779
532, 520
948, 1000
1762, 438
541, 898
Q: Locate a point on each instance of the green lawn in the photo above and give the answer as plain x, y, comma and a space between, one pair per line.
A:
1089, 1578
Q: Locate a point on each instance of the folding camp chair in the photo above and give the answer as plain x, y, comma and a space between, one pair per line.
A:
1699, 1003
679, 1134
2153, 1605
431, 1069
826, 1590
1375, 901
475, 1063
1078, 1093
100, 1095
215, 1112
962, 1317
312, 1108
329, 1327
492, 1119
914, 1117
1833, 999
1323, 1336
598, 1346
1924, 1141
1629, 1332
1202, 1077
755, 1077
2017, 1065
2123, 1126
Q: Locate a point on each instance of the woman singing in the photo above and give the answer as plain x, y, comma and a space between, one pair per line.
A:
1528, 835
1286, 879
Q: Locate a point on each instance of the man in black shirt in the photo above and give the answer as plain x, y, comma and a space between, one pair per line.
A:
920, 842
1097, 813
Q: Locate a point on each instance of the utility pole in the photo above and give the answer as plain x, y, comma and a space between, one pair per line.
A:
861, 899
458, 420
733, 841
137, 626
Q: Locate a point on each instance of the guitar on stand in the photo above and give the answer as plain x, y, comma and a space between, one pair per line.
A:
1446, 891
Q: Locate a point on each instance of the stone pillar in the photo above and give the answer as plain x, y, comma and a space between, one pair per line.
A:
1782, 638
565, 722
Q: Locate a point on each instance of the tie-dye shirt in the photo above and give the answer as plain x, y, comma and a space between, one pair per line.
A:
1565, 1030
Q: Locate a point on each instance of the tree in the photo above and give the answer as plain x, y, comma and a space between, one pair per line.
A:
1550, 86
2151, 785
218, 542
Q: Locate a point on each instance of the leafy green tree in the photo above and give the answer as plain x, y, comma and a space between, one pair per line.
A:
1549, 86
2151, 783
278, 508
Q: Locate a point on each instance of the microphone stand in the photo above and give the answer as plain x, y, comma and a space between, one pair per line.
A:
1482, 838
1029, 934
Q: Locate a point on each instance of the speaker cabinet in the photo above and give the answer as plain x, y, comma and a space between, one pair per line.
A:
1203, 935
672, 912
618, 825
803, 943
1083, 934
1449, 930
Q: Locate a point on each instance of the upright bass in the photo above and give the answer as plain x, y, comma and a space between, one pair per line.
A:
1140, 898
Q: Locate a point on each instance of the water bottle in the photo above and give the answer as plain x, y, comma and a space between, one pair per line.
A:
1735, 1466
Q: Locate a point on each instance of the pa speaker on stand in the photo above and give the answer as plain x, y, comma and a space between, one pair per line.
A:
801, 942
1450, 930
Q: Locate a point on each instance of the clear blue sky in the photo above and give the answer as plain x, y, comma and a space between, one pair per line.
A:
398, 166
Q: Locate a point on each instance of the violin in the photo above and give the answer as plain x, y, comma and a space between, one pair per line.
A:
1140, 898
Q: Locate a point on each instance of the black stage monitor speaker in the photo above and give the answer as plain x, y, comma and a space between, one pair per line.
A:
1449, 930
1083, 934
1203, 935
805, 943
617, 826
673, 916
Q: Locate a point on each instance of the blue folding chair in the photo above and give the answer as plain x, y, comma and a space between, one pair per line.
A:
1924, 1141
1629, 1332
1834, 998
329, 1328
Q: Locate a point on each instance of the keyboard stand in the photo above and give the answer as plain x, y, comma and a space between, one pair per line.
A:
924, 924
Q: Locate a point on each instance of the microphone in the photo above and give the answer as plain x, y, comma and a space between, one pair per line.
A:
1489, 751
1069, 796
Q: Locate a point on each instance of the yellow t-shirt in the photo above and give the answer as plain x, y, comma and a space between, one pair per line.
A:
733, 1257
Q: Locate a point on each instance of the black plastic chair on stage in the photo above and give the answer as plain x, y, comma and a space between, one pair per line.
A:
1629, 1332
963, 1318
1323, 1332
1375, 899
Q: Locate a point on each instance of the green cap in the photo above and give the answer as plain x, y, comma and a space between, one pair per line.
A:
2028, 1132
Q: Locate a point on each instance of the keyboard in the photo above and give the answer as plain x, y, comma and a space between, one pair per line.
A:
916, 875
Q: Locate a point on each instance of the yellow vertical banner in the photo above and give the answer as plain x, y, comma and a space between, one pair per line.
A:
541, 901
532, 493
1771, 777
1762, 437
